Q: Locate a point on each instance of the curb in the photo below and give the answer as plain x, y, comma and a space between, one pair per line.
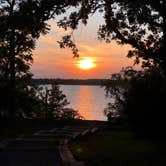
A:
66, 155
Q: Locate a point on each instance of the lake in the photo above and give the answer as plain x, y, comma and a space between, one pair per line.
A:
90, 101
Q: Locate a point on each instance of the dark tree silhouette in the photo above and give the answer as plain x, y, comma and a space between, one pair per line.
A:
52, 102
141, 24
21, 24
139, 98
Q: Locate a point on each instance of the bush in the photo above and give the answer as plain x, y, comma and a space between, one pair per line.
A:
140, 98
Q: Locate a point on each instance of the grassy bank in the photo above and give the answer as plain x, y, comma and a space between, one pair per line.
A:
119, 147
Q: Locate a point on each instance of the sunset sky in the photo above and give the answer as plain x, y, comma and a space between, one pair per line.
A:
52, 62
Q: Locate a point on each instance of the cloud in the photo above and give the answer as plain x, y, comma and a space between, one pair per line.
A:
84, 47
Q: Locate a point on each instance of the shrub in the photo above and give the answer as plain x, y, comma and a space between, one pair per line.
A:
140, 98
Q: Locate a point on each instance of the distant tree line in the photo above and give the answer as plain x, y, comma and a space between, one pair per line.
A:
45, 81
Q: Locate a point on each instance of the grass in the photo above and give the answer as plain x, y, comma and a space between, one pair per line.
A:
111, 147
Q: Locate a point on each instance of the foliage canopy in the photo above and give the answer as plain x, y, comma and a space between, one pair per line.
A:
141, 24
21, 24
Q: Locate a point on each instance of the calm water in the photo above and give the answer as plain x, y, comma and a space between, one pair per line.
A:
90, 101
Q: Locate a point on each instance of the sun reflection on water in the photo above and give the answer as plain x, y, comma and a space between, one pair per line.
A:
89, 100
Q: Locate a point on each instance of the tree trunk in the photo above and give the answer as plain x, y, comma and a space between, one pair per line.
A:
46, 104
12, 75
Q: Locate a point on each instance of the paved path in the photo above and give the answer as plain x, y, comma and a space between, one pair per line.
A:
30, 158
34, 150
42, 147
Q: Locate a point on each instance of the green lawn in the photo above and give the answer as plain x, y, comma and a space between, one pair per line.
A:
111, 147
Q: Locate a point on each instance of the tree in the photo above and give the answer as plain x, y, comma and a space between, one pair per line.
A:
139, 98
53, 102
116, 88
141, 24
21, 24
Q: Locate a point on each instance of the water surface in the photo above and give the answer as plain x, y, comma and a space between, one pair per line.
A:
90, 101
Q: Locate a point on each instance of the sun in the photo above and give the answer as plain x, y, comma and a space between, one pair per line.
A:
86, 64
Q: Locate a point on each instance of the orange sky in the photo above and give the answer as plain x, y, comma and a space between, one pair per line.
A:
52, 62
